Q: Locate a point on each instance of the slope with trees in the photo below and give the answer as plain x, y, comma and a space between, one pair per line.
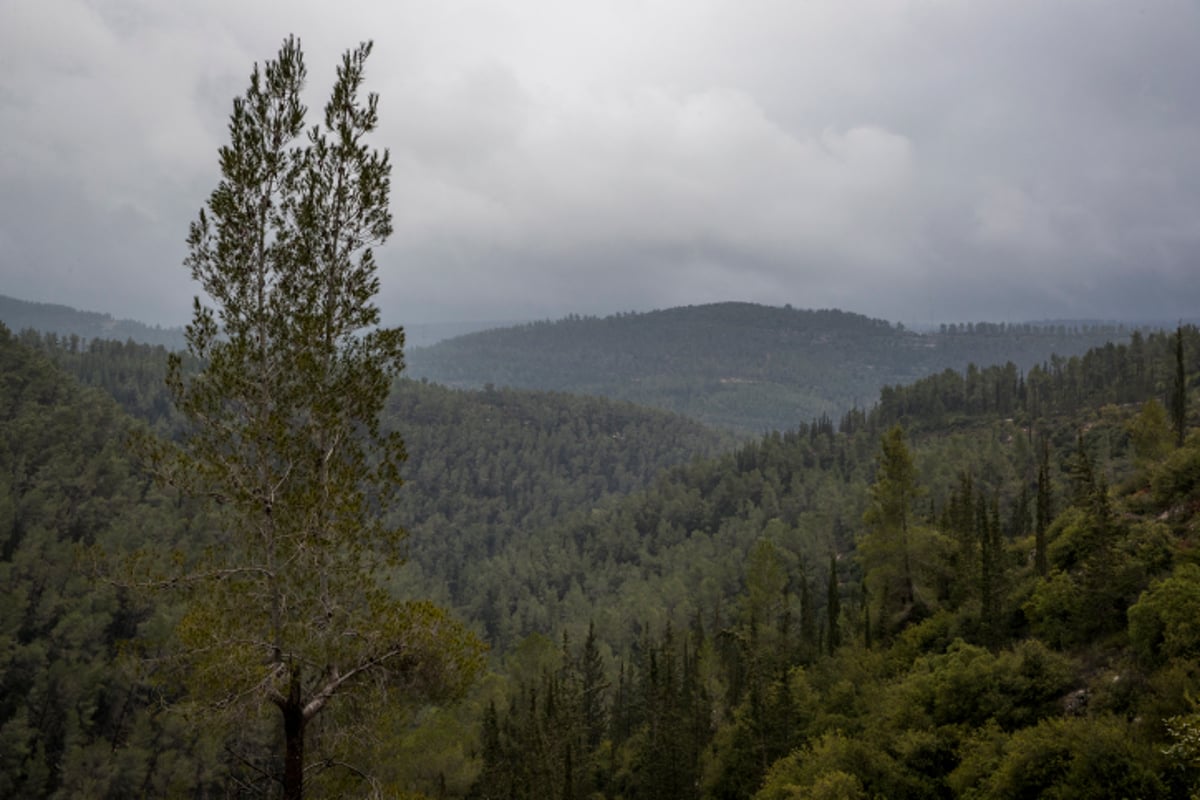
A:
993, 676
80, 713
738, 656
483, 468
78, 327
742, 366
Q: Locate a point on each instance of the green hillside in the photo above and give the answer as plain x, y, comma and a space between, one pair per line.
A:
81, 327
778, 631
481, 466
803, 616
80, 715
740, 366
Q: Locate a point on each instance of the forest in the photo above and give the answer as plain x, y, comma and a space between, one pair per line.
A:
983, 585
745, 367
741, 367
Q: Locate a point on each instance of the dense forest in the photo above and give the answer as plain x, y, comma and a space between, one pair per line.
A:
985, 585
740, 366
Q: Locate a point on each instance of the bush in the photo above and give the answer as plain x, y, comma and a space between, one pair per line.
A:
1062, 759
1165, 622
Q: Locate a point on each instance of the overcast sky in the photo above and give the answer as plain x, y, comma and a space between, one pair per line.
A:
918, 161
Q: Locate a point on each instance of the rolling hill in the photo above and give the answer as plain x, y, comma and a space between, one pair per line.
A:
740, 366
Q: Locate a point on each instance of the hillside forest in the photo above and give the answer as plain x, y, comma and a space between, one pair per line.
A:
985, 585
744, 367
741, 367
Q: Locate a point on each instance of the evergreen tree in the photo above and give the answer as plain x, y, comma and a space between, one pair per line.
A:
833, 608
961, 521
1179, 391
1083, 475
594, 687
990, 568
886, 549
289, 610
1044, 512
808, 620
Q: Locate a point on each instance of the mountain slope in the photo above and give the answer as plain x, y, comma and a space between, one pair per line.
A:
741, 366
766, 645
78, 716
83, 326
483, 468
710, 583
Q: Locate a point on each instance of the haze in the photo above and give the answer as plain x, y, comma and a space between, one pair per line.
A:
916, 161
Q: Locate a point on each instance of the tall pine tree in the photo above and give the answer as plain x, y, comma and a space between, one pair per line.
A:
289, 611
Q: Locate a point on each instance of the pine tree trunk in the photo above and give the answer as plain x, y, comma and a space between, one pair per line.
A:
293, 734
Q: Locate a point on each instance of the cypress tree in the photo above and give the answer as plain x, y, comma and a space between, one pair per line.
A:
1179, 391
833, 608
594, 686
808, 619
1044, 510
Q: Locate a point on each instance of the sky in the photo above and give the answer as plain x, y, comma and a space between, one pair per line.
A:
917, 161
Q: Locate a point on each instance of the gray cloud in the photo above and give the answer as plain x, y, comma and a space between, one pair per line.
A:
920, 160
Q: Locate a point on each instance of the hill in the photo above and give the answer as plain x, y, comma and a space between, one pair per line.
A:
998, 605
744, 367
483, 467
753, 624
67, 322
79, 716
83, 326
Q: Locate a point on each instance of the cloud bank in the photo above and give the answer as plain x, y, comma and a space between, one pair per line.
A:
919, 161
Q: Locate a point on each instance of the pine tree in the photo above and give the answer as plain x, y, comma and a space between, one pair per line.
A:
289, 611
808, 620
1179, 391
991, 568
1044, 511
1083, 475
594, 688
886, 549
833, 608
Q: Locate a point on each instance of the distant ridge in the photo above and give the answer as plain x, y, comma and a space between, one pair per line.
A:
741, 366
65, 321
426, 334
87, 325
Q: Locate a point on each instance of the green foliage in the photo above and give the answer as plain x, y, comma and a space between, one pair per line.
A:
289, 610
1183, 753
825, 765
970, 685
1097, 757
1151, 432
1177, 478
564, 510
78, 713
1165, 622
